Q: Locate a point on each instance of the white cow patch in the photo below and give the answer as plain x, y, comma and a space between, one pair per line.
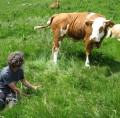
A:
55, 56
64, 32
56, 53
97, 24
87, 63
91, 14
49, 21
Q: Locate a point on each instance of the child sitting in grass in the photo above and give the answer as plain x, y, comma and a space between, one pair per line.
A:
9, 77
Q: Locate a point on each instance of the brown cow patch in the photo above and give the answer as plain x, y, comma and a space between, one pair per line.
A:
101, 29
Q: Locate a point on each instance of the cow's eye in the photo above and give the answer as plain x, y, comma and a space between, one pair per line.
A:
101, 29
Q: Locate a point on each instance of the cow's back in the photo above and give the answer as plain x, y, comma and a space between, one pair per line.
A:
76, 23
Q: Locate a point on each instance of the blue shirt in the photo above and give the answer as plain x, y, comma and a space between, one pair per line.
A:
7, 76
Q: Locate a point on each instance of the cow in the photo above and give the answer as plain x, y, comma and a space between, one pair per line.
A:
86, 26
114, 32
55, 5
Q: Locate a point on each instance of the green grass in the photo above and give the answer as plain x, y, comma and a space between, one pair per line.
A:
69, 89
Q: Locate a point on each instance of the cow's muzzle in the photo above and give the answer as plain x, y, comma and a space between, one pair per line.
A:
93, 39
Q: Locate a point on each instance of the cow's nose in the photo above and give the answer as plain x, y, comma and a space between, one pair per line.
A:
93, 39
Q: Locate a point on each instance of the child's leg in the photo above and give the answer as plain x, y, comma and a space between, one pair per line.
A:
2, 100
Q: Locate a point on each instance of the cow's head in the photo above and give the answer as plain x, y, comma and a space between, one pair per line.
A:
99, 26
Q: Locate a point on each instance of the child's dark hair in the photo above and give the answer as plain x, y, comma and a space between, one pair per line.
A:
15, 59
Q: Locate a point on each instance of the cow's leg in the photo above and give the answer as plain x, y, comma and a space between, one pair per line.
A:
87, 63
55, 49
88, 52
58, 37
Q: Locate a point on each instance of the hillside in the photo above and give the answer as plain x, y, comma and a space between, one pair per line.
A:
69, 89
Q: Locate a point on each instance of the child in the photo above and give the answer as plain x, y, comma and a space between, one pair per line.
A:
10, 76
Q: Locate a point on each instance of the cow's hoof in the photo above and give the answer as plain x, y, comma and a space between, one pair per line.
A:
54, 62
87, 65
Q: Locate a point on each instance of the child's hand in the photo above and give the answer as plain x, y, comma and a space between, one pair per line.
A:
37, 87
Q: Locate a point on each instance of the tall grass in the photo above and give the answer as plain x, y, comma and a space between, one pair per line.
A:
69, 89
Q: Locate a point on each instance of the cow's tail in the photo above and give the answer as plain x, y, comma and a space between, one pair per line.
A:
49, 22
109, 33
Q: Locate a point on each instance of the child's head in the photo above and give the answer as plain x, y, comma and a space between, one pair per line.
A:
15, 59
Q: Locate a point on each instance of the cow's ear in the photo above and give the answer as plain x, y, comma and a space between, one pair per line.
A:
109, 24
89, 23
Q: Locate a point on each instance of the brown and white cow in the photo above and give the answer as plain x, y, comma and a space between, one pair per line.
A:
90, 27
114, 32
55, 5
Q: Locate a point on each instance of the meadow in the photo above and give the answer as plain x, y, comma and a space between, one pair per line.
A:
69, 89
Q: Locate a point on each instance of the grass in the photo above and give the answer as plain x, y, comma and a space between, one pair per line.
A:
69, 89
